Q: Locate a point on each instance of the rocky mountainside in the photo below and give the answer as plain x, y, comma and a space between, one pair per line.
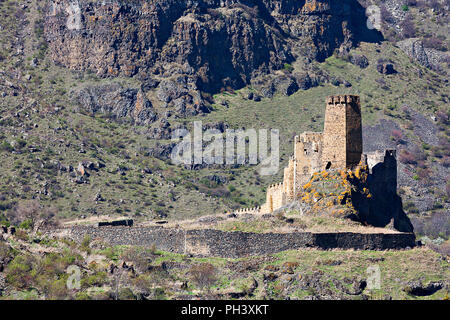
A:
215, 44
184, 48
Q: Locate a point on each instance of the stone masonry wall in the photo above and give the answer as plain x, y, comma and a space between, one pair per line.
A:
238, 244
275, 198
343, 132
307, 155
288, 180
340, 146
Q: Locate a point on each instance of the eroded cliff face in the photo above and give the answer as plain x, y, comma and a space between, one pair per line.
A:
216, 43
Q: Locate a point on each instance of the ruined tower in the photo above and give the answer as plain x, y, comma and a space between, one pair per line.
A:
342, 136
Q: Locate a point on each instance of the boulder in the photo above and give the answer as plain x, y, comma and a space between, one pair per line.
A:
386, 68
360, 61
286, 85
81, 169
417, 288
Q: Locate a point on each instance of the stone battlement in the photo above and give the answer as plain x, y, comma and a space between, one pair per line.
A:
276, 186
309, 136
344, 99
248, 211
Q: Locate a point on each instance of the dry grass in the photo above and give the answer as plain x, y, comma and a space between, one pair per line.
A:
323, 224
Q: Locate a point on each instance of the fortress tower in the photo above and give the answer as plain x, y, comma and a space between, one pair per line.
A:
342, 136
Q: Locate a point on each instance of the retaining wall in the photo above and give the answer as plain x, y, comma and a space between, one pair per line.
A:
217, 243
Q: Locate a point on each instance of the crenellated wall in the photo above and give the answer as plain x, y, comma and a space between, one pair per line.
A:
289, 180
275, 198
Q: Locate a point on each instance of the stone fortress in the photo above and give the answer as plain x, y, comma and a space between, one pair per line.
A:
339, 147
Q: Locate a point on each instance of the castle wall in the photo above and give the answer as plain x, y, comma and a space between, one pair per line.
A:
334, 139
353, 123
288, 181
275, 198
307, 155
383, 169
385, 205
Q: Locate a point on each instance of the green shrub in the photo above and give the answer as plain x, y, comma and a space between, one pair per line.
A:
5, 252
18, 272
94, 280
67, 258
426, 146
82, 296
204, 275
288, 67
57, 289
21, 143
6, 146
85, 244
3, 220
27, 224
159, 294
21, 235
410, 207
126, 294
111, 253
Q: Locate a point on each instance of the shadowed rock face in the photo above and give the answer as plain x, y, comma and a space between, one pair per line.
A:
385, 206
217, 43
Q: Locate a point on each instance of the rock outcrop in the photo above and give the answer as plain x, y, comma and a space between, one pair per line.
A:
116, 101
426, 57
415, 50
216, 44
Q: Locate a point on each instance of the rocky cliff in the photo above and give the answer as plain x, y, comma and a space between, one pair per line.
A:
216, 44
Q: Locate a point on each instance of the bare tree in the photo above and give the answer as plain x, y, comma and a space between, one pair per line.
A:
204, 275
31, 211
117, 281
